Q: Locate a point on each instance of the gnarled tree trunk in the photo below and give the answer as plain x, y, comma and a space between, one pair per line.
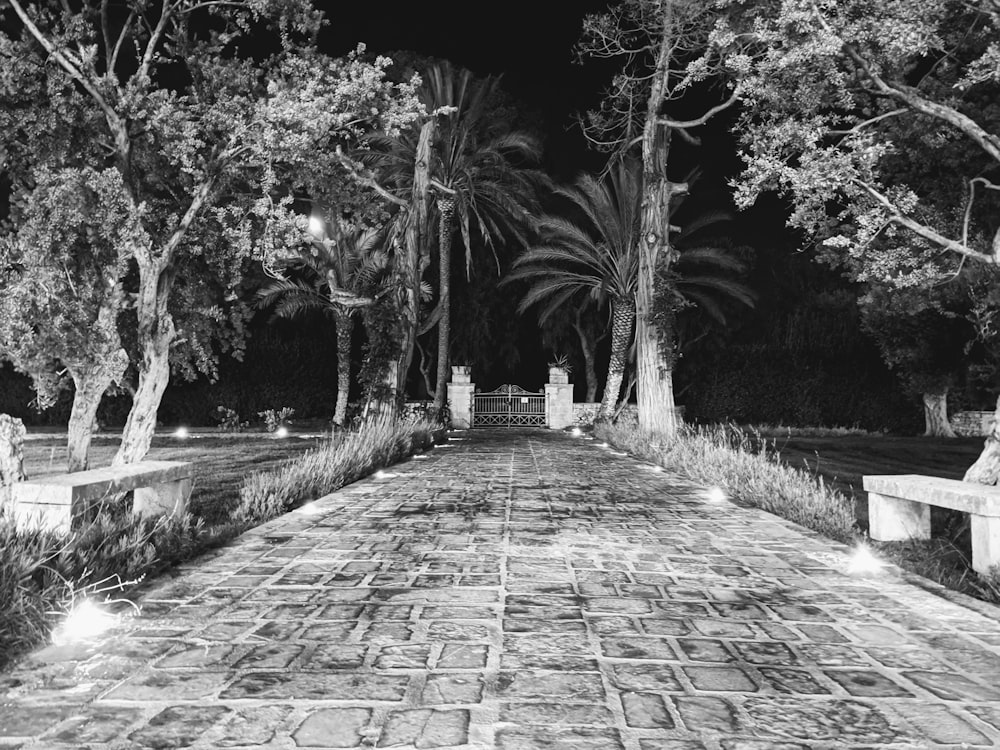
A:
986, 469
90, 385
345, 333
623, 317
12, 434
156, 334
936, 415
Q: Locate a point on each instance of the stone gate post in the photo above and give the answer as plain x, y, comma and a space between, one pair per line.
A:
460, 391
558, 399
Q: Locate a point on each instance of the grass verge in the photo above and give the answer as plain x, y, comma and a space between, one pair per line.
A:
749, 469
725, 456
42, 574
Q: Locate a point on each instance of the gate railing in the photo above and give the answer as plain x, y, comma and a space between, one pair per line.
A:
508, 406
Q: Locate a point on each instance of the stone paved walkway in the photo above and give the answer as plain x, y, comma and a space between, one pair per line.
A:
523, 591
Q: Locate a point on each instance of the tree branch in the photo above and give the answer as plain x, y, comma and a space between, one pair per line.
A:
914, 100
709, 114
154, 40
926, 232
367, 178
65, 62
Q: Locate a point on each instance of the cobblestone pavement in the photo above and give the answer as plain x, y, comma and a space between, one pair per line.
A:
519, 591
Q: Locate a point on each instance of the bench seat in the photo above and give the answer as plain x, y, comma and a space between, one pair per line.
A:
899, 507
160, 487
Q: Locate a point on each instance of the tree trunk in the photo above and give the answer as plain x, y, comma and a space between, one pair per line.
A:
936, 415
589, 349
90, 385
415, 246
446, 209
623, 318
155, 333
986, 469
11, 455
345, 334
654, 373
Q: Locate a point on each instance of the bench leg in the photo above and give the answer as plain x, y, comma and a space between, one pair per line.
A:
164, 499
893, 518
985, 543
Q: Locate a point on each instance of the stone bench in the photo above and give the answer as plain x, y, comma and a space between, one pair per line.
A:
160, 487
899, 507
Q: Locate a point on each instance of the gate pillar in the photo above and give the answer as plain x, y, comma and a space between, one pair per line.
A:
558, 400
460, 391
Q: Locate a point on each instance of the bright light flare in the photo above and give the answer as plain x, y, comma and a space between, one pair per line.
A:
715, 495
863, 562
385, 475
181, 432
576, 432
317, 226
604, 445
310, 509
281, 432
85, 621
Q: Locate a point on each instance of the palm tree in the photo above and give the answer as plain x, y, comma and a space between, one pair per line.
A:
343, 272
595, 252
480, 177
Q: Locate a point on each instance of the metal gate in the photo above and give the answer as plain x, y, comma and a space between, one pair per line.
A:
508, 406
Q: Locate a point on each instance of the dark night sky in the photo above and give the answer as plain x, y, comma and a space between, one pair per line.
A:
529, 42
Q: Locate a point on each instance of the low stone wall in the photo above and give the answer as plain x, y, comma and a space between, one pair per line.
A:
585, 413
971, 423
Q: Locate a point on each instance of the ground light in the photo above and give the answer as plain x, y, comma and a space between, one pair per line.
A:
181, 432
281, 432
310, 509
715, 495
656, 467
576, 432
863, 561
85, 621
385, 475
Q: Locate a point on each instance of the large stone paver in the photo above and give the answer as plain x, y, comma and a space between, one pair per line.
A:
519, 591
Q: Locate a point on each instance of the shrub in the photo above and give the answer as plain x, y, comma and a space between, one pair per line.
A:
229, 420
41, 573
275, 418
731, 459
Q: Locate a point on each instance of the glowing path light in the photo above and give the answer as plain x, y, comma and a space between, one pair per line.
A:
576, 432
715, 495
385, 475
863, 561
181, 432
281, 432
310, 509
85, 621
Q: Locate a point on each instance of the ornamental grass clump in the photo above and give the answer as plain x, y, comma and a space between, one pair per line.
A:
727, 457
318, 472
